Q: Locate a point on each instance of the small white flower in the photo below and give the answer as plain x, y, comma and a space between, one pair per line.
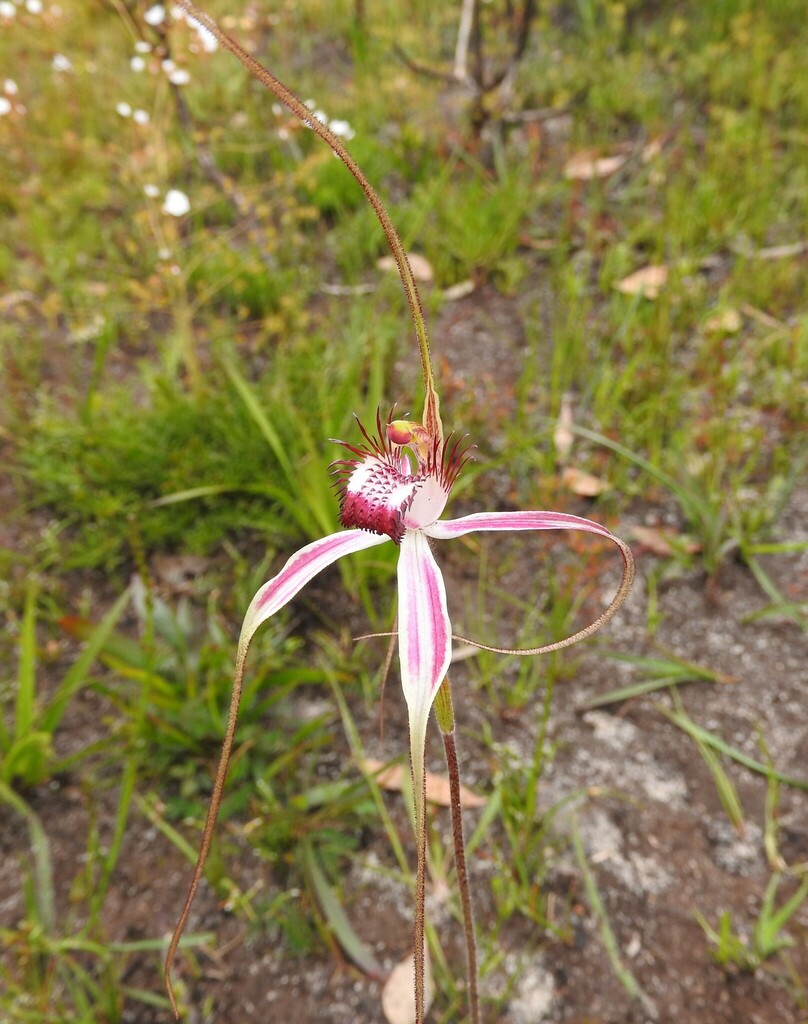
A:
208, 40
60, 62
152, 191
7, 9
164, 253
10, 87
5, 106
320, 115
34, 6
178, 13
137, 63
155, 15
342, 128
176, 203
140, 117
123, 109
167, 65
141, 46
179, 77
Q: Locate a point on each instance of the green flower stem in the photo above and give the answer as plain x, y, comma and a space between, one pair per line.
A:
431, 419
444, 713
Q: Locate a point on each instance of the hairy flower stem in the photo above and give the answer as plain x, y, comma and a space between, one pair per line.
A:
431, 419
444, 713
419, 947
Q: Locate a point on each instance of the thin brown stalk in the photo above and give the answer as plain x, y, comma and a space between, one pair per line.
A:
464, 889
431, 418
210, 823
419, 951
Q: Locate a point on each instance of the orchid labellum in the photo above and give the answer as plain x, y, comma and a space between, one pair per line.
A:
393, 487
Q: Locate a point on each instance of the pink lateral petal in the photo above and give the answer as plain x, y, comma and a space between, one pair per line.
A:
301, 567
449, 528
539, 521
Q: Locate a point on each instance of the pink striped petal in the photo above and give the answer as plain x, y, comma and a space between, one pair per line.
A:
301, 567
448, 528
424, 630
539, 521
424, 644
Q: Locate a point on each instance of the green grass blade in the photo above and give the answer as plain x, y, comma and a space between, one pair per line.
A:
168, 830
727, 793
771, 922
698, 733
259, 417
208, 491
780, 603
663, 672
627, 979
633, 690
40, 849
121, 818
78, 674
25, 706
337, 919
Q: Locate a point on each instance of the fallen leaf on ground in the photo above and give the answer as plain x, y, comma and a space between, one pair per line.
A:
652, 149
663, 542
562, 435
458, 291
420, 266
398, 994
585, 166
647, 281
391, 777
582, 483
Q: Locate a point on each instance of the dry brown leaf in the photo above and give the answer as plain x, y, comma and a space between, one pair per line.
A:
582, 483
585, 166
663, 542
391, 777
647, 281
562, 435
420, 266
652, 149
398, 994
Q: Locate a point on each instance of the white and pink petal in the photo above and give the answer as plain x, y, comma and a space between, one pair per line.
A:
299, 569
502, 521
446, 529
424, 635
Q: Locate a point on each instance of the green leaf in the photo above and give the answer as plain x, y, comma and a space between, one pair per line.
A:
337, 919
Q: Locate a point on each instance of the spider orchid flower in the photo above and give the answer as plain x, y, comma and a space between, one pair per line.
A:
394, 487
